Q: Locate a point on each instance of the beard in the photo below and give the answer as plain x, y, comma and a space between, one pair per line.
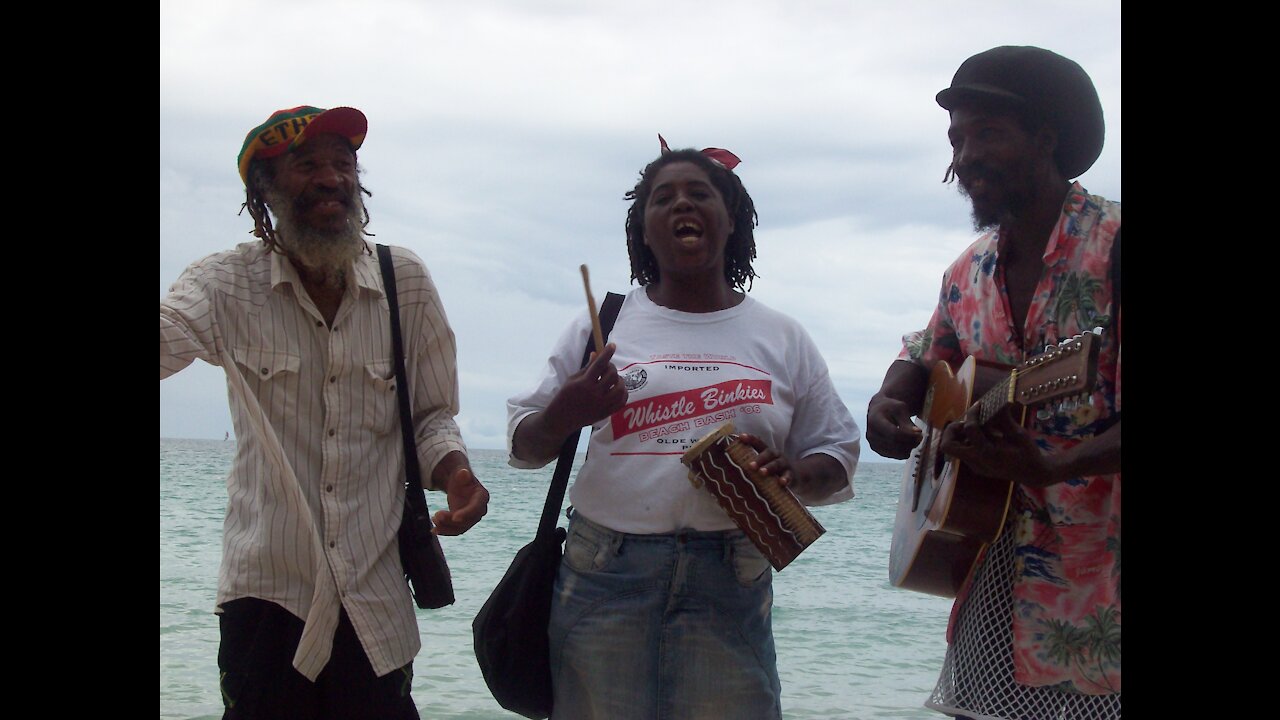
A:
1004, 195
324, 252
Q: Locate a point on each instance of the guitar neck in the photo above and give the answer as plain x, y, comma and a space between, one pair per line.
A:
1067, 369
997, 398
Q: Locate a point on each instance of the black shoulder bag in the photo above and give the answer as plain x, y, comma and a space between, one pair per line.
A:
510, 631
420, 552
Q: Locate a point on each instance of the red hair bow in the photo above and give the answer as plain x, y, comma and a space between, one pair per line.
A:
720, 155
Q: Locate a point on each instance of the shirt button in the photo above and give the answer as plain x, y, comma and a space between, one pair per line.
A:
332, 543
333, 378
332, 432
328, 488
319, 323
392, 388
265, 371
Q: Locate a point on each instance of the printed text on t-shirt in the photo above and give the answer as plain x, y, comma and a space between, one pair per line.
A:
671, 407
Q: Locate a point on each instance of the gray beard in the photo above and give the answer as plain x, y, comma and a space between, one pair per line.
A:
325, 255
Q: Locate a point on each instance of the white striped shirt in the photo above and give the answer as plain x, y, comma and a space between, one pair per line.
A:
316, 490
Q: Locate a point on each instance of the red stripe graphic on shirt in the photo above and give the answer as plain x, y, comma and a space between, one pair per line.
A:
682, 361
677, 406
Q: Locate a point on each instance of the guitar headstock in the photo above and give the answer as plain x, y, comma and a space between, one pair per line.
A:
1069, 368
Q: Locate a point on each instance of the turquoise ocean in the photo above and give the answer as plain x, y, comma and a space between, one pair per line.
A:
850, 646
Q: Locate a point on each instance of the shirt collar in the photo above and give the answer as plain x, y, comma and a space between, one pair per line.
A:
367, 274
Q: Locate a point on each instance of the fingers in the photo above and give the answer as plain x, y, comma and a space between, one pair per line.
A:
994, 430
608, 379
457, 522
961, 442
601, 382
954, 436
447, 523
969, 437
468, 503
1004, 423
615, 398
458, 480
899, 415
589, 395
601, 376
768, 460
890, 431
600, 363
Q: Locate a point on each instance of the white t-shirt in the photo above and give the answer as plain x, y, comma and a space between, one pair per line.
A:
686, 375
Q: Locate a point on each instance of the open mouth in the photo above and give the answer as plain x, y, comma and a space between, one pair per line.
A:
688, 230
323, 203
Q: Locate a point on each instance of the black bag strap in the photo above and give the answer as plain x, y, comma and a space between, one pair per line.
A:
415, 499
560, 480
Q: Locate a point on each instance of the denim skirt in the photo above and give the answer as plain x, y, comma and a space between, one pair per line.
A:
662, 627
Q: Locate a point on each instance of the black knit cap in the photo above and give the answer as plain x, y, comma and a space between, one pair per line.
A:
1049, 85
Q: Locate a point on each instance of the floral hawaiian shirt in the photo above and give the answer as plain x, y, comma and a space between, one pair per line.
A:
1066, 591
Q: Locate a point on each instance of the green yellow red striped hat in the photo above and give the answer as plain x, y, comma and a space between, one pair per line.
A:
287, 129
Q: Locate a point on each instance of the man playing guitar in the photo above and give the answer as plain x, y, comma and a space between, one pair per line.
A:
1035, 631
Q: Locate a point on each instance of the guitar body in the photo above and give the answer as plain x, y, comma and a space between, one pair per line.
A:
946, 514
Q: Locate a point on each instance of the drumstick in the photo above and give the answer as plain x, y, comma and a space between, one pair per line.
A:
595, 315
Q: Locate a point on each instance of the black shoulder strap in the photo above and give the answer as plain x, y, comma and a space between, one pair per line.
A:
414, 497
560, 480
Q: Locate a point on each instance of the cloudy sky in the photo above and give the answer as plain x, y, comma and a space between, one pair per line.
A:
503, 134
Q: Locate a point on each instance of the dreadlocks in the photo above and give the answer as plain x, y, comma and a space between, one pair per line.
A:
261, 176
741, 248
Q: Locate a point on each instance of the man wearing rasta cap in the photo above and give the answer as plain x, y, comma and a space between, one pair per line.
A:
1035, 631
315, 615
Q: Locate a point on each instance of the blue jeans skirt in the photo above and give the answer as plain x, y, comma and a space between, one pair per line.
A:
663, 627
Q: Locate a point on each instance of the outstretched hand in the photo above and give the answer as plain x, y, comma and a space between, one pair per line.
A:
468, 502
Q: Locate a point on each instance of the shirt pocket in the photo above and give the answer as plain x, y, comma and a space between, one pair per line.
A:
381, 411
266, 365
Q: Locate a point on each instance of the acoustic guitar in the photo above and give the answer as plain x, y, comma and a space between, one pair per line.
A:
947, 513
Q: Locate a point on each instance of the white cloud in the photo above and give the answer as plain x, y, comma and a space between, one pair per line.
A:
503, 135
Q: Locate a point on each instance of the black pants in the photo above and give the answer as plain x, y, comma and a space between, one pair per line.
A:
259, 682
